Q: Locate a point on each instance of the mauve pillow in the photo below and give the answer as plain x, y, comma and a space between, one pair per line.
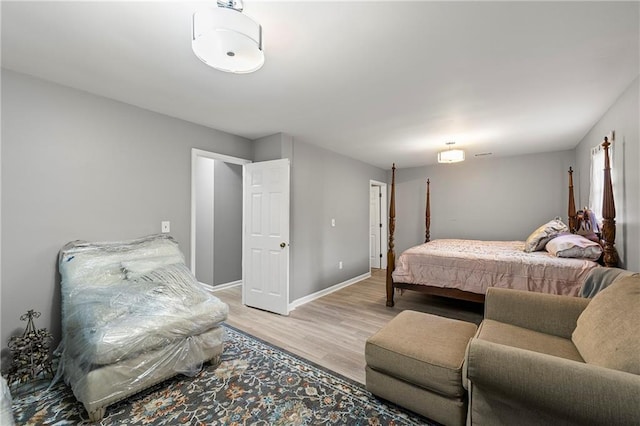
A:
575, 246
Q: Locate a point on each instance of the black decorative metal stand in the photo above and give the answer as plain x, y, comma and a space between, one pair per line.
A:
30, 353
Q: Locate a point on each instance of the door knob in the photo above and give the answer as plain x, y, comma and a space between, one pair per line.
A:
282, 245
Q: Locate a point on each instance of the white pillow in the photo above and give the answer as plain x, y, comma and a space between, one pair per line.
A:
576, 246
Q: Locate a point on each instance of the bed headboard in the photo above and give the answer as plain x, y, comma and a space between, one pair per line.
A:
608, 229
427, 216
391, 254
608, 213
572, 214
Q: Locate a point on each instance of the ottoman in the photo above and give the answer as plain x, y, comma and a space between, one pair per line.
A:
415, 361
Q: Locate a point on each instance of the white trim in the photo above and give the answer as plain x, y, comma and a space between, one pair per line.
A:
195, 153
321, 293
244, 208
214, 288
221, 157
383, 220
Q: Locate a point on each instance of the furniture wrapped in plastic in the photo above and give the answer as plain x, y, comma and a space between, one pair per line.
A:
133, 315
6, 415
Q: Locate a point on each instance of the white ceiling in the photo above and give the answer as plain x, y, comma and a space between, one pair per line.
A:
377, 81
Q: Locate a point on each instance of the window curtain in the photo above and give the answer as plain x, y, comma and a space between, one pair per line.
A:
597, 179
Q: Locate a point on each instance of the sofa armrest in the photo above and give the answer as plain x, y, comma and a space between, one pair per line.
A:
546, 313
581, 393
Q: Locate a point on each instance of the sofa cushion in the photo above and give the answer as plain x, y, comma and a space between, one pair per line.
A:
523, 338
608, 333
422, 349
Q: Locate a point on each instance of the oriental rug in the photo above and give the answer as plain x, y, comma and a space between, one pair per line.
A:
255, 384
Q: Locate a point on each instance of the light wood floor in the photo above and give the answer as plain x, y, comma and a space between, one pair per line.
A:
331, 331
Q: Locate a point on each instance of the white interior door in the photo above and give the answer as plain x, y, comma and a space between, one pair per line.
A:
375, 226
266, 236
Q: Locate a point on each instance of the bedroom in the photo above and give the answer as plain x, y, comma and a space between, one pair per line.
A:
61, 146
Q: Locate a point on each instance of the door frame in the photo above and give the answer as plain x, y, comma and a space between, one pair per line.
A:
195, 153
383, 220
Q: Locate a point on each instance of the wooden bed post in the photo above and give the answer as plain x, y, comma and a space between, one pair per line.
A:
427, 221
608, 213
573, 216
391, 255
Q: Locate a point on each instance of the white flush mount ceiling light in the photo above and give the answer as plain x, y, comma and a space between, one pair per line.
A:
451, 155
226, 39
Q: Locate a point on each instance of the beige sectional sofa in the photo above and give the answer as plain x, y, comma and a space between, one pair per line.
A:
547, 359
536, 359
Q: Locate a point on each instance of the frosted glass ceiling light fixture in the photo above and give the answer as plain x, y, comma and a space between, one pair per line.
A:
451, 155
226, 39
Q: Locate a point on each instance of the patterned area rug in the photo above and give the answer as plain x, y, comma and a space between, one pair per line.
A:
256, 384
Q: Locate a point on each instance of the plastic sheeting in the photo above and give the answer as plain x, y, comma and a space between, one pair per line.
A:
6, 415
132, 315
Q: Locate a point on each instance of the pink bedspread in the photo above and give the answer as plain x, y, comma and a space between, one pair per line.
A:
473, 266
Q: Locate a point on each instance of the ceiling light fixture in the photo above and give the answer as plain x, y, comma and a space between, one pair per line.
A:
226, 39
451, 155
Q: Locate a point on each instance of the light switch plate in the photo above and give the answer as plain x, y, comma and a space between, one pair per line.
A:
166, 226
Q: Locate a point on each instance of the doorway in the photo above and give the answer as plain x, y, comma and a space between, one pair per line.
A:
216, 218
234, 202
377, 224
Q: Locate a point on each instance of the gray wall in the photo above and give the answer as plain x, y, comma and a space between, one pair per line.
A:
624, 118
325, 185
227, 253
482, 198
268, 148
78, 166
273, 147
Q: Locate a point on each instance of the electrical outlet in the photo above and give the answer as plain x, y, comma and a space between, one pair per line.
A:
165, 226
340, 265
333, 223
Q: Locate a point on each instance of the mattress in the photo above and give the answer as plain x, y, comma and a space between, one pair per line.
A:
474, 266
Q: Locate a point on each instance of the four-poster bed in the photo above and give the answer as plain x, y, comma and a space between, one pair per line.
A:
464, 269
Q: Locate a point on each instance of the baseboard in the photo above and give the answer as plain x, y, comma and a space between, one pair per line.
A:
224, 286
319, 294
